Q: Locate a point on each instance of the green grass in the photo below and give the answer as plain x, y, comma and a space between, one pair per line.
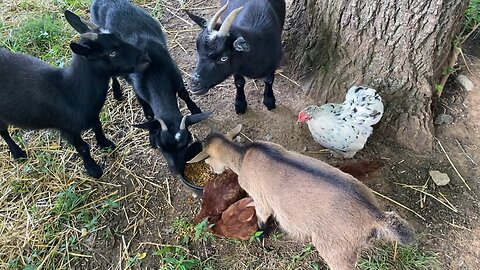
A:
302, 256
472, 14
188, 232
176, 257
404, 258
42, 36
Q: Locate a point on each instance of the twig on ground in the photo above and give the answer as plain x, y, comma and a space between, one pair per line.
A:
457, 226
399, 204
448, 205
279, 72
246, 137
453, 165
465, 152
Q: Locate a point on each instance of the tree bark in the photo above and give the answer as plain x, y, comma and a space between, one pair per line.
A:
398, 47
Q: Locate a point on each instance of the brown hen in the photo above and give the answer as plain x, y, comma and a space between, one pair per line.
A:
363, 170
218, 194
238, 221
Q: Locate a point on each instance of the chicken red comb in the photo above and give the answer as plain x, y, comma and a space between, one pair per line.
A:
303, 117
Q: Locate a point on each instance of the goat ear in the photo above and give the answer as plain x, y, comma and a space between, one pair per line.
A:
199, 157
241, 45
197, 19
150, 125
234, 132
80, 49
76, 22
196, 118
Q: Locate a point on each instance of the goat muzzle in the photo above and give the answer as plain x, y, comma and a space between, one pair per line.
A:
196, 87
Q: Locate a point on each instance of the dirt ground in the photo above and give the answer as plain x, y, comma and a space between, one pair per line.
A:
155, 199
147, 216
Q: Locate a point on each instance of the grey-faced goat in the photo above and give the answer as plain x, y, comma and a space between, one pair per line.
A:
310, 199
246, 44
157, 86
34, 95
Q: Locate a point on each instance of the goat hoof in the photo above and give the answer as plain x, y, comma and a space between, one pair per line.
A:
19, 154
240, 107
94, 170
107, 144
269, 103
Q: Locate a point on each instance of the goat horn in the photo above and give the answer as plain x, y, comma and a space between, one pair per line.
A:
162, 124
90, 36
227, 23
183, 123
199, 157
234, 132
217, 15
90, 24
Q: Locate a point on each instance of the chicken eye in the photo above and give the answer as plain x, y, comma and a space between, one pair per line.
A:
224, 58
112, 54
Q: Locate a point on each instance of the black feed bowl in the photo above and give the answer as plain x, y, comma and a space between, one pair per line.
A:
192, 151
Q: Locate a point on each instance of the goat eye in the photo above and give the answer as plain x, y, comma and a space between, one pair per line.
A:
112, 54
224, 58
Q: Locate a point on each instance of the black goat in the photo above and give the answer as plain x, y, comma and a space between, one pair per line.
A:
157, 86
247, 43
34, 95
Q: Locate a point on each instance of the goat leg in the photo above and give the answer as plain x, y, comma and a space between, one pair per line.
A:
83, 149
192, 107
16, 151
117, 91
268, 96
147, 110
262, 217
102, 141
240, 100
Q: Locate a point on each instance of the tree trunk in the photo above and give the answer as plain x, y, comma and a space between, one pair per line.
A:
398, 47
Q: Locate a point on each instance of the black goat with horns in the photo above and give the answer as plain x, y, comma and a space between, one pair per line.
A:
246, 44
157, 86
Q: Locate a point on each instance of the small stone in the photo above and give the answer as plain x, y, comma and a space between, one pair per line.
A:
441, 179
238, 139
465, 82
443, 119
269, 137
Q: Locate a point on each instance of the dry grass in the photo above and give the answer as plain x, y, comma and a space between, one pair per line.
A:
53, 216
33, 232
29, 189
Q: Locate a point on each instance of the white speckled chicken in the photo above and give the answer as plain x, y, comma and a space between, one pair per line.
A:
344, 128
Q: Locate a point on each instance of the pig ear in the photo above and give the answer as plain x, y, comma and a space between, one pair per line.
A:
197, 19
150, 125
241, 45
